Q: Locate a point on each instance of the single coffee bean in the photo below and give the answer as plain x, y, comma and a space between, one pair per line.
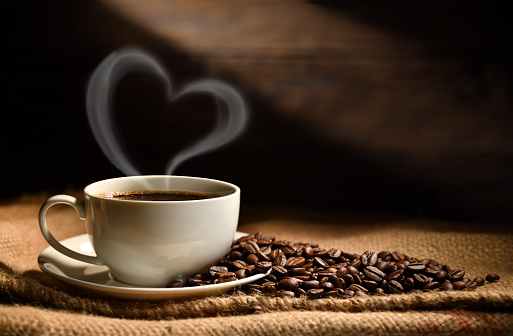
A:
235, 255
239, 264
216, 269
379, 291
289, 251
327, 286
373, 273
336, 281
421, 280
300, 292
395, 275
370, 285
398, 256
409, 283
341, 271
290, 284
357, 288
390, 268
320, 262
331, 293
492, 277
241, 273
431, 285
352, 270
456, 275
310, 284
297, 271
251, 247
314, 293
175, 284
308, 252
440, 276
394, 287
287, 294
416, 267
356, 263
251, 259
385, 255
459, 285
368, 258
447, 286
349, 293
334, 253
446, 269
479, 281
274, 254
348, 279
263, 266
280, 260
262, 256
294, 262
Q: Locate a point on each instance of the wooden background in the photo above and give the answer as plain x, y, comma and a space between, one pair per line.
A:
356, 106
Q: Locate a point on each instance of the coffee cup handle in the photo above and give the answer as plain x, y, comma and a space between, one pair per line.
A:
80, 207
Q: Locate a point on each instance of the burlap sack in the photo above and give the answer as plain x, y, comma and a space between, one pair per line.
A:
34, 303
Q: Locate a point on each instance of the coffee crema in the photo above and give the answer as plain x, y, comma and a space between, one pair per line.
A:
157, 195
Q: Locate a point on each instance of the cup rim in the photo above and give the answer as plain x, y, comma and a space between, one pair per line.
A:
236, 189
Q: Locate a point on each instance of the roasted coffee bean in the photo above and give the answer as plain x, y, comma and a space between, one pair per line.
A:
274, 254
327, 286
416, 267
280, 260
370, 285
251, 259
300, 292
251, 247
385, 255
356, 263
431, 285
310, 284
458, 285
492, 277
381, 265
409, 283
262, 256
320, 252
395, 275
235, 255
373, 273
314, 293
394, 287
336, 281
320, 262
398, 256
287, 294
357, 288
390, 268
272, 277
263, 266
421, 280
289, 251
341, 271
479, 281
456, 275
308, 252
352, 270
440, 276
175, 284
334, 253
297, 271
290, 284
269, 289
294, 262
216, 269
447, 286
348, 279
331, 293
241, 273
379, 291
368, 258
446, 268
349, 293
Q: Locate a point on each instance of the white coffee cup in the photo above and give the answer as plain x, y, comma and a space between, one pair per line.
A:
150, 243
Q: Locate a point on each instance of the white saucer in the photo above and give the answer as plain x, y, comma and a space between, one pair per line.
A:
97, 279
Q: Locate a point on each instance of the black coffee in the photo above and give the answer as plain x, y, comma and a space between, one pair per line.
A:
150, 195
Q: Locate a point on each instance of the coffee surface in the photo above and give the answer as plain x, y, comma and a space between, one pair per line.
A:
151, 195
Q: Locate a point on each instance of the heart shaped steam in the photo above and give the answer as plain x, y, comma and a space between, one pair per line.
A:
232, 116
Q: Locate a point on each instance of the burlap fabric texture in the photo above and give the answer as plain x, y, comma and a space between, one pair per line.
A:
34, 303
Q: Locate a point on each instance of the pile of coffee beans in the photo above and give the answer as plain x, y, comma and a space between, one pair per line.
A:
308, 270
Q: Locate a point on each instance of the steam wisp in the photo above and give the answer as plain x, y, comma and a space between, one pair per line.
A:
232, 115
